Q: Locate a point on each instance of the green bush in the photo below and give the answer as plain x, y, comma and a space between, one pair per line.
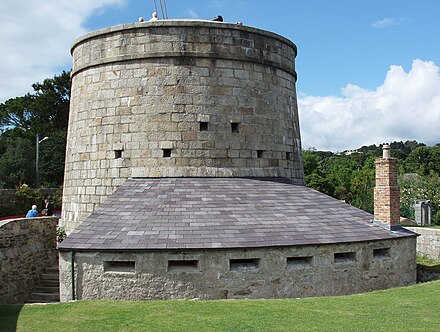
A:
26, 197
61, 234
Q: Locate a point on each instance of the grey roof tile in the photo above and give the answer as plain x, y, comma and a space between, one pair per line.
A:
203, 213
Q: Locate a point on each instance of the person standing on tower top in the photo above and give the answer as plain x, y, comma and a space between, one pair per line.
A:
153, 17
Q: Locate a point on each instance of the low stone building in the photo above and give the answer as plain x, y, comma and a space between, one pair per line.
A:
230, 238
184, 176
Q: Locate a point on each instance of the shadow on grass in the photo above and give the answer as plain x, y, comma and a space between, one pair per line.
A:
9, 317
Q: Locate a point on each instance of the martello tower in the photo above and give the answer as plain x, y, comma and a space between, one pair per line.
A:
184, 177
178, 98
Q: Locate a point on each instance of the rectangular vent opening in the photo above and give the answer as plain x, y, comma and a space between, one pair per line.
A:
260, 153
288, 156
345, 257
183, 266
299, 262
234, 127
118, 154
381, 253
243, 265
203, 126
166, 153
119, 266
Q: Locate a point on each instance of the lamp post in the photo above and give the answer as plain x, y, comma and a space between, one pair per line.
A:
37, 172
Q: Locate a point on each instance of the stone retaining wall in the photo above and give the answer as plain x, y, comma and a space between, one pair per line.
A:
27, 246
428, 243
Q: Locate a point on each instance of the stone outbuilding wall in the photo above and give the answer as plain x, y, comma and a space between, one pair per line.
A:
428, 243
27, 246
277, 272
178, 98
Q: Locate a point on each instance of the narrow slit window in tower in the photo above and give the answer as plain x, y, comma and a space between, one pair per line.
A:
118, 154
166, 153
234, 127
260, 153
203, 126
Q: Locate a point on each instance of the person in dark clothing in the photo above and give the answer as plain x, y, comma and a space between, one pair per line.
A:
47, 208
219, 18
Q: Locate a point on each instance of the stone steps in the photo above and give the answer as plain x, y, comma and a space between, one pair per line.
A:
47, 289
48, 283
44, 298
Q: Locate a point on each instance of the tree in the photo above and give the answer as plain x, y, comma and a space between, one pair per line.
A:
415, 187
45, 112
314, 177
17, 163
362, 186
54, 149
310, 160
339, 172
319, 183
424, 160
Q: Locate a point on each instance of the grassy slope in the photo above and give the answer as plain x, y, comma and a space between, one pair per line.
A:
414, 308
424, 260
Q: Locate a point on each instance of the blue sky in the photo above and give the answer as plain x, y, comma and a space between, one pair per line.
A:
368, 71
339, 41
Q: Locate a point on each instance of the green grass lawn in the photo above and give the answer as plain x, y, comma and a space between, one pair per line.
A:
415, 308
431, 226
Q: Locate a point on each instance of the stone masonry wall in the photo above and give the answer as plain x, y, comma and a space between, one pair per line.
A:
428, 243
27, 246
284, 272
178, 99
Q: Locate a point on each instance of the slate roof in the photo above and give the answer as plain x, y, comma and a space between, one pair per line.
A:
202, 213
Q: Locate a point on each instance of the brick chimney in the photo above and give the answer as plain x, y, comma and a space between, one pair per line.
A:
386, 192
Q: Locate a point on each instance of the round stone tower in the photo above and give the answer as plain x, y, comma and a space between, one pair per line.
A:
178, 98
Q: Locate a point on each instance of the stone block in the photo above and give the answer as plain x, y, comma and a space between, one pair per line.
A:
203, 117
167, 145
118, 146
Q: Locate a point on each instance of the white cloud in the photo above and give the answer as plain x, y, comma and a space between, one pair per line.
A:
216, 4
405, 107
36, 36
192, 13
386, 22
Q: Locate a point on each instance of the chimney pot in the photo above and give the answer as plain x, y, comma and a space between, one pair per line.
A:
386, 153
